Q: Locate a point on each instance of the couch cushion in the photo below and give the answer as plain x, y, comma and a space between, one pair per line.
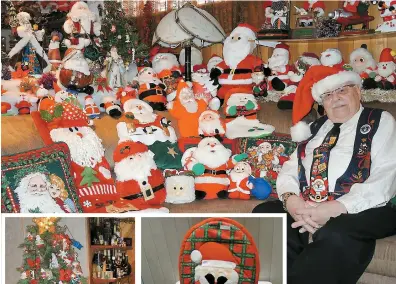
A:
384, 260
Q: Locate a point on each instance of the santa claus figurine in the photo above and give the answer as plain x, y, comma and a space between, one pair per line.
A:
67, 123
240, 186
260, 84
196, 58
23, 105
386, 78
90, 108
151, 89
388, 15
363, 63
205, 88
186, 110
138, 180
111, 106
216, 264
213, 61
317, 7
332, 57
211, 124
238, 103
168, 70
53, 50
209, 161
239, 63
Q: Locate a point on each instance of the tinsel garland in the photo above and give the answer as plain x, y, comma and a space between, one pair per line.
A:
373, 95
326, 27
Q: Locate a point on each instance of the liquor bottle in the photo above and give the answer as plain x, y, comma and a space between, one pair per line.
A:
99, 231
114, 264
92, 227
104, 266
107, 232
109, 268
127, 266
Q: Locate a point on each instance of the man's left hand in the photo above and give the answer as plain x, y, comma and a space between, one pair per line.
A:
321, 213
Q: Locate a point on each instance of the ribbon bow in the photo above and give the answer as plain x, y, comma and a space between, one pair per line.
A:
171, 172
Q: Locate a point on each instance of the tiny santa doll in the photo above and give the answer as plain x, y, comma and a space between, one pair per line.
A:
363, 63
205, 88
90, 108
23, 105
211, 124
240, 186
317, 7
151, 89
386, 78
53, 50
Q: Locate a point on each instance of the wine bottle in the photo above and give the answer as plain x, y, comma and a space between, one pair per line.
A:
114, 264
127, 267
92, 227
107, 232
109, 267
99, 231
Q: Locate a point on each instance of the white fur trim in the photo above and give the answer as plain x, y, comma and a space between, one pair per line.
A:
196, 256
333, 82
300, 132
235, 82
218, 263
212, 179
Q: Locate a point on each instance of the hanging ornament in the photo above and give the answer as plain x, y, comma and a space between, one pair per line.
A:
29, 237
113, 28
62, 254
133, 54
65, 275
43, 273
54, 262
23, 275
76, 244
127, 39
39, 241
45, 224
119, 37
77, 268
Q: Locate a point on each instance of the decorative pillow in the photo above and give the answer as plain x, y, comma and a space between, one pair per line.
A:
39, 181
188, 142
267, 155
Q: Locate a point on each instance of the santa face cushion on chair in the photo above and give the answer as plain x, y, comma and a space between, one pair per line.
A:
218, 250
39, 181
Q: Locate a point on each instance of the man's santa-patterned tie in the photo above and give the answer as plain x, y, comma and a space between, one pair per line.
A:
319, 185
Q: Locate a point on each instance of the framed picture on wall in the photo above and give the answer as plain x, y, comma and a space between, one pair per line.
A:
277, 20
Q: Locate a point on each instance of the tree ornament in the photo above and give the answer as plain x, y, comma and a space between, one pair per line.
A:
54, 262
39, 241
23, 275
63, 254
113, 28
119, 37
128, 40
29, 236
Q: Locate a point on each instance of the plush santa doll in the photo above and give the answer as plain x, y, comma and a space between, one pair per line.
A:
90, 108
238, 103
23, 105
216, 264
332, 57
388, 15
5, 107
317, 7
111, 106
386, 78
209, 161
205, 88
240, 186
138, 180
239, 63
196, 58
180, 186
260, 84
186, 110
53, 50
151, 89
168, 70
211, 124
363, 63
65, 122
213, 61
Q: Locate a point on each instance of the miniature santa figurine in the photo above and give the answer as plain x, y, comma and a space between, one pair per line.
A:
216, 264
239, 63
388, 15
210, 161
53, 50
111, 106
211, 124
186, 110
351, 6
204, 88
238, 103
90, 108
363, 63
317, 7
240, 186
23, 105
332, 57
139, 182
260, 84
196, 58
168, 70
213, 62
386, 78
151, 89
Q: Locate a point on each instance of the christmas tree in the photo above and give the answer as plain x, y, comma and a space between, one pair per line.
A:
119, 31
5, 64
48, 255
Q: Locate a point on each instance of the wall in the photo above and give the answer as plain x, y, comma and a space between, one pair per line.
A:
162, 237
15, 232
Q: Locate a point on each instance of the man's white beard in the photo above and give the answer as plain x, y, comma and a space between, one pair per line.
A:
212, 160
278, 62
191, 107
86, 151
145, 117
235, 52
238, 177
43, 202
388, 71
211, 126
135, 169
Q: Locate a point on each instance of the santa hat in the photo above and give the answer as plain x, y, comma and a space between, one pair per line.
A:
387, 55
317, 81
127, 149
89, 97
283, 46
200, 68
213, 254
243, 91
247, 30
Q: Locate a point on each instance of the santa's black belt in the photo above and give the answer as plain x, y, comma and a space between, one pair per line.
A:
214, 172
237, 71
250, 114
152, 92
138, 195
21, 108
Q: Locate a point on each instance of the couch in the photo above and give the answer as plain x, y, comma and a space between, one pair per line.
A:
19, 134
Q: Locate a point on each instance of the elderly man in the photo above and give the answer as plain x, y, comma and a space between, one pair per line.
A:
338, 185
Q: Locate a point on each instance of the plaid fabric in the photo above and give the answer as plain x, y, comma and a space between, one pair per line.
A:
267, 166
225, 233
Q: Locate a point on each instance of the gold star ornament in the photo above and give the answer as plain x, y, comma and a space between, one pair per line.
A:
45, 224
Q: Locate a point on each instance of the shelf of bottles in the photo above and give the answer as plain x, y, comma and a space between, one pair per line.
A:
110, 261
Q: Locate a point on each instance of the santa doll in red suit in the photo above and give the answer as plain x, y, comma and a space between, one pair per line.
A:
363, 63
211, 124
65, 122
90, 108
351, 6
386, 78
138, 180
239, 63
317, 7
240, 186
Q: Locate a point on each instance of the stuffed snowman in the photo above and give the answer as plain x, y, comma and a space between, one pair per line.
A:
386, 78
388, 15
151, 89
205, 88
364, 64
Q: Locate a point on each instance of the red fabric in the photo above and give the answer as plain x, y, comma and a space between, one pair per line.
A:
351, 7
61, 204
318, 4
237, 194
386, 55
5, 107
128, 148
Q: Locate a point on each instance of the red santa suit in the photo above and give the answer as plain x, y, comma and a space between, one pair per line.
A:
153, 92
351, 6
239, 189
366, 73
387, 57
312, 5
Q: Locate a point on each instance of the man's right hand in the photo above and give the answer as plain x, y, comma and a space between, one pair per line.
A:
295, 203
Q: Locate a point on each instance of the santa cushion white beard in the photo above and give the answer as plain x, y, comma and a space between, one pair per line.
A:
138, 168
331, 57
180, 189
33, 195
213, 157
235, 51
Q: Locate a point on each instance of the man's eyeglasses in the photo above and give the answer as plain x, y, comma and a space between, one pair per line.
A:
340, 91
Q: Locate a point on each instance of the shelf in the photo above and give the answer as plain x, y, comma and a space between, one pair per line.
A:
358, 36
113, 280
100, 247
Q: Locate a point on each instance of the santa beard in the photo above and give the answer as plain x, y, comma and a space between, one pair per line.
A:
164, 64
213, 160
235, 52
86, 151
137, 168
238, 177
190, 106
209, 127
144, 116
277, 62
